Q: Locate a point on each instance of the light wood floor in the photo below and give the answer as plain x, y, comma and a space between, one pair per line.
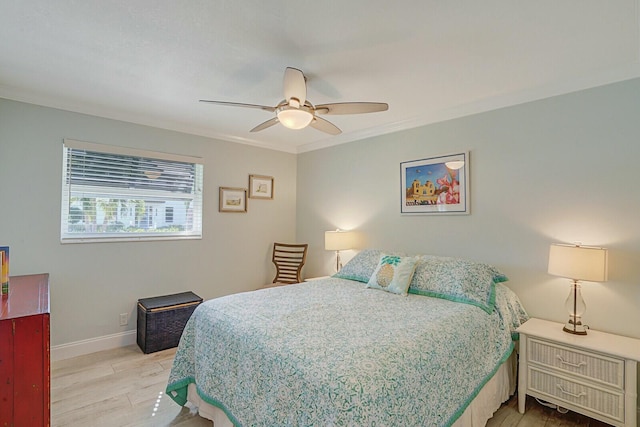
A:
124, 387
116, 388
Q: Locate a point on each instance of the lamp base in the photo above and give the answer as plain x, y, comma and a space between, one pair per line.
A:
575, 328
576, 307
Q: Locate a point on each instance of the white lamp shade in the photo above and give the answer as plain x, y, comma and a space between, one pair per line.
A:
338, 240
578, 262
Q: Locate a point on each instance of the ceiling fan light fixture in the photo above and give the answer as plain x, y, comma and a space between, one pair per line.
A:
294, 118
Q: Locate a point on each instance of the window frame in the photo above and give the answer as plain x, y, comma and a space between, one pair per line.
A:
120, 193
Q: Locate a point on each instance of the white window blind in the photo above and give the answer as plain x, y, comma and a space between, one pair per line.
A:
114, 193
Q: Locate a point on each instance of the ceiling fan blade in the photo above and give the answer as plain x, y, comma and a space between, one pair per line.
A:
325, 126
295, 85
267, 124
352, 108
237, 104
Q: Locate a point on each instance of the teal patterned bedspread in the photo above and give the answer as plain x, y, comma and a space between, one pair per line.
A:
334, 353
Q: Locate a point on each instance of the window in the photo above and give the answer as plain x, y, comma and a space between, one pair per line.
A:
114, 194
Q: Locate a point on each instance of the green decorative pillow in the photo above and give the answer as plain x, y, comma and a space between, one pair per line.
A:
360, 267
458, 280
393, 274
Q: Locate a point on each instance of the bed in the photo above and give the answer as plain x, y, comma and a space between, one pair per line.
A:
341, 352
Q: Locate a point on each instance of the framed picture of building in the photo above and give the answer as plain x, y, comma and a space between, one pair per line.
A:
436, 185
233, 199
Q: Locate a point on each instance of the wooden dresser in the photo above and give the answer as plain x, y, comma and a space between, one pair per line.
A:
24, 352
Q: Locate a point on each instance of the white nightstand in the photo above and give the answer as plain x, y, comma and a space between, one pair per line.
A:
310, 279
593, 374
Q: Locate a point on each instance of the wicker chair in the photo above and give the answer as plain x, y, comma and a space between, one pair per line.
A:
289, 259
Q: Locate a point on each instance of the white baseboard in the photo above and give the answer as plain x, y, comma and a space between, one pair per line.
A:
91, 345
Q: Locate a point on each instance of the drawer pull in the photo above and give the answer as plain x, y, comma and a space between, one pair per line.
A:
573, 365
577, 396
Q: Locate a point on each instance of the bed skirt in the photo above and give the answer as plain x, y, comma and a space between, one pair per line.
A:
496, 391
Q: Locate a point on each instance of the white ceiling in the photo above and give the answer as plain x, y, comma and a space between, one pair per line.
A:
149, 62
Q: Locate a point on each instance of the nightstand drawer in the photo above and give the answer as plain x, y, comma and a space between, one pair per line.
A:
603, 402
592, 366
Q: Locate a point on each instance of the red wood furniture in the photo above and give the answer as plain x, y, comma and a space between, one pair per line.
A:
24, 352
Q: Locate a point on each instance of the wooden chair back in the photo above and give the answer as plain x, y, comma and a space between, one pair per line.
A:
289, 259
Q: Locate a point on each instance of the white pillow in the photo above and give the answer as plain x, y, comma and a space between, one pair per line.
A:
393, 274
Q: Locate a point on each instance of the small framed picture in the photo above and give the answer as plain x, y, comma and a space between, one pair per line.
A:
233, 199
436, 185
260, 187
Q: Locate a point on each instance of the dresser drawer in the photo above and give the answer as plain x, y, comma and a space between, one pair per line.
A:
603, 402
588, 365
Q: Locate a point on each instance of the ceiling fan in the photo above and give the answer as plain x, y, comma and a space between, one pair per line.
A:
296, 112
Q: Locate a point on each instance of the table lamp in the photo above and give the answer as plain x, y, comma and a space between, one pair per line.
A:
338, 240
577, 263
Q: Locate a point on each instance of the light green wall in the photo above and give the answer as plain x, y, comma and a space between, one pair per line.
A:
563, 169
91, 284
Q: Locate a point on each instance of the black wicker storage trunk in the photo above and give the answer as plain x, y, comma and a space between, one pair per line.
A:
162, 319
